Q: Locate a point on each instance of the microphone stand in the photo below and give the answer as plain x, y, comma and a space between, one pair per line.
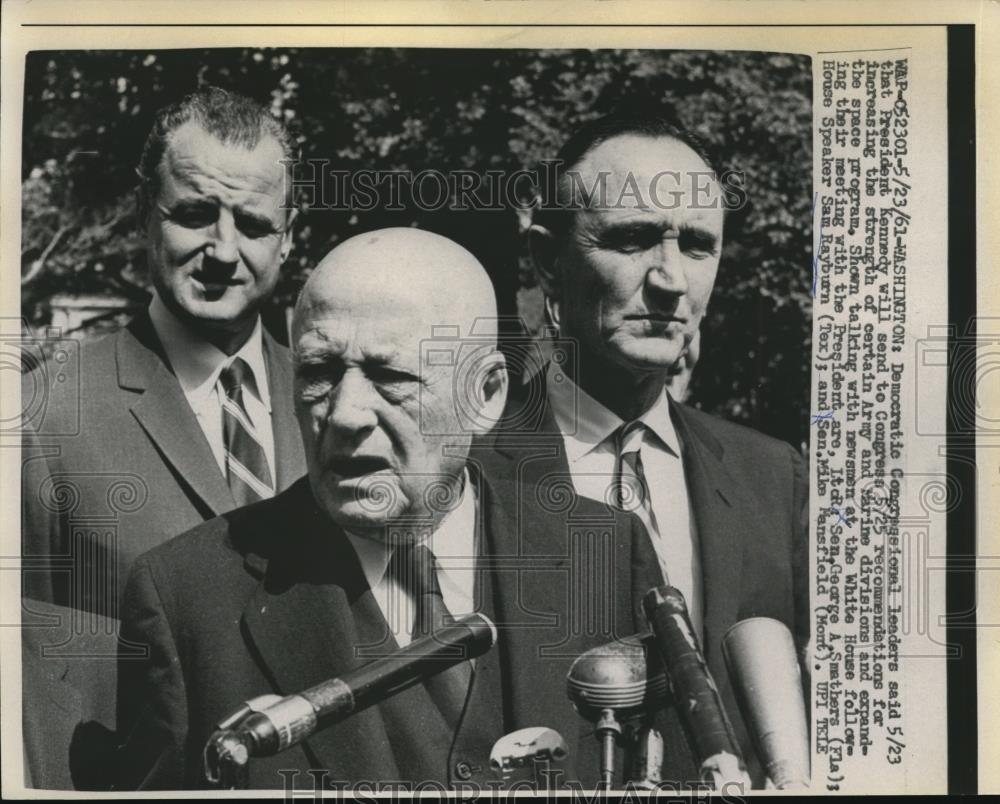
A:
608, 730
616, 688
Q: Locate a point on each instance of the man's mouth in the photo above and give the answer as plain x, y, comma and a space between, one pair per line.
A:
660, 318
356, 466
209, 278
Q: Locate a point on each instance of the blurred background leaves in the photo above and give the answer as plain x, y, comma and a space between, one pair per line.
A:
86, 115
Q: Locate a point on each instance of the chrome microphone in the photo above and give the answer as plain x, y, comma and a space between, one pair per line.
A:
613, 685
267, 726
519, 751
763, 665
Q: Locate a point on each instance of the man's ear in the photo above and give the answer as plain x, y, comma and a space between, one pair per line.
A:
543, 255
143, 206
287, 237
493, 391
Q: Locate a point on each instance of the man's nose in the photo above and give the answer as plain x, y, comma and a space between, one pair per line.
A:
666, 270
352, 404
223, 244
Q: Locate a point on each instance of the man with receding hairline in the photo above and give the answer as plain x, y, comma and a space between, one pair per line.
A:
395, 529
186, 408
180, 416
627, 251
354, 320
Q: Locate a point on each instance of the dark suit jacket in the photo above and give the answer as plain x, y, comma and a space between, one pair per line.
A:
67, 697
271, 599
115, 462
749, 497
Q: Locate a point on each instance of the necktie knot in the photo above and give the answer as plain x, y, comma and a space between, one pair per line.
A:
628, 438
415, 569
234, 376
630, 489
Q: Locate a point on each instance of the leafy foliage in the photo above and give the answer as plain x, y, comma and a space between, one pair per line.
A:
86, 114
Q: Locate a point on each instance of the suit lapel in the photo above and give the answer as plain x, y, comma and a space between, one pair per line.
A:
727, 518
553, 598
163, 412
288, 454
300, 623
722, 510
720, 505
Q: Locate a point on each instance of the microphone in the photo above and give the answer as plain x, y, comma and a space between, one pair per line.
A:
256, 731
520, 750
695, 695
760, 654
614, 683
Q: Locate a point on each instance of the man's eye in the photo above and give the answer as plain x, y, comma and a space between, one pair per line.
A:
697, 244
314, 390
317, 381
194, 217
630, 242
393, 384
255, 227
387, 376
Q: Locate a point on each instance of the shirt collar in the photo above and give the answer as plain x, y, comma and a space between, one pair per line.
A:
587, 424
453, 542
198, 363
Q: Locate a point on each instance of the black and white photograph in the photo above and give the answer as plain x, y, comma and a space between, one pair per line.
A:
408, 419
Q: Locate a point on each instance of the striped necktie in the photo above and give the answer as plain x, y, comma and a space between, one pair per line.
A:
414, 568
631, 491
246, 462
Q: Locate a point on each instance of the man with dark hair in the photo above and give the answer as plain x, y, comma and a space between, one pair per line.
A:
184, 414
234, 119
555, 210
627, 250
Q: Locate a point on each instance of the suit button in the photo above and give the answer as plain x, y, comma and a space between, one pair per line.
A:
463, 771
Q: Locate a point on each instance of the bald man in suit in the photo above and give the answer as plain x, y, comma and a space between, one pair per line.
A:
395, 383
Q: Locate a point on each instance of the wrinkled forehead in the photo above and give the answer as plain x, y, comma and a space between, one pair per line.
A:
645, 173
196, 164
365, 330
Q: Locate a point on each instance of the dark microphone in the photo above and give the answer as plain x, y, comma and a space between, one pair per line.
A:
271, 729
760, 654
695, 695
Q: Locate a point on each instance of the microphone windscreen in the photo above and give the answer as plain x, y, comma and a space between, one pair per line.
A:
764, 670
625, 676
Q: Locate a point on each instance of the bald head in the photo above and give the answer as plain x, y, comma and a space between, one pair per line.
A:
396, 367
424, 277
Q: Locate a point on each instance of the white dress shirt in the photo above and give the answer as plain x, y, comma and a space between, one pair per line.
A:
197, 365
454, 546
588, 430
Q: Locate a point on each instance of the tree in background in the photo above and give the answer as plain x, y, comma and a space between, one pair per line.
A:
86, 115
